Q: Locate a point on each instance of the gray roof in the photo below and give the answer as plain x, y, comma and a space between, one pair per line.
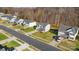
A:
28, 21
16, 20
64, 28
1, 14
8, 16
74, 30
42, 24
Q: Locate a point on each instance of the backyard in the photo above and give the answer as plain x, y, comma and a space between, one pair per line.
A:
12, 44
2, 37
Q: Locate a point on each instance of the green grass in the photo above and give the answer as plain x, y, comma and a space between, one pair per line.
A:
18, 27
12, 44
27, 30
46, 37
2, 37
77, 45
7, 24
70, 44
2, 21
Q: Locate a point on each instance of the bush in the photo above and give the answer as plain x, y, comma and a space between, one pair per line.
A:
34, 27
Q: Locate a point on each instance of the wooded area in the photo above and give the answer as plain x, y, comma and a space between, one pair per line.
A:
52, 15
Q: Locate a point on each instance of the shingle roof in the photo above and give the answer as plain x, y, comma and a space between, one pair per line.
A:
8, 16
1, 14
42, 24
16, 20
28, 21
74, 30
64, 28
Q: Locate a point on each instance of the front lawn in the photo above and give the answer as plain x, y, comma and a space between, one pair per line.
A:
73, 45
68, 44
2, 37
77, 46
12, 44
7, 24
2, 21
18, 26
77, 43
46, 37
28, 29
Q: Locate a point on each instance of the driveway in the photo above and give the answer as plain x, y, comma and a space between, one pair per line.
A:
40, 45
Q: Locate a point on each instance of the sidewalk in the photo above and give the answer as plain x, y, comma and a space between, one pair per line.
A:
24, 46
20, 48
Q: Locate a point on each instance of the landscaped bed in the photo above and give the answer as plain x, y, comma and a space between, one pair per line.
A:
12, 44
46, 37
3, 37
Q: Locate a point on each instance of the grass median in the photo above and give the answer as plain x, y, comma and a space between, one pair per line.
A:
3, 37
12, 44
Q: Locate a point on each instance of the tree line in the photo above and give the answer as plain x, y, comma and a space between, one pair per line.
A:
53, 15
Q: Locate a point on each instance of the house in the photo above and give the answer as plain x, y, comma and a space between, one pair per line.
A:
1, 14
6, 17
68, 32
29, 23
13, 20
20, 21
43, 27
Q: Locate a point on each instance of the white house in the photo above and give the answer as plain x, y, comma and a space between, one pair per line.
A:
29, 23
13, 20
43, 27
68, 32
6, 17
1, 14
20, 21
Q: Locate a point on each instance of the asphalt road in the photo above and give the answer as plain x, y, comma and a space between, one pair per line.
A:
40, 45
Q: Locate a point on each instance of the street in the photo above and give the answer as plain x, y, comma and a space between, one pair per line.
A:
40, 45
